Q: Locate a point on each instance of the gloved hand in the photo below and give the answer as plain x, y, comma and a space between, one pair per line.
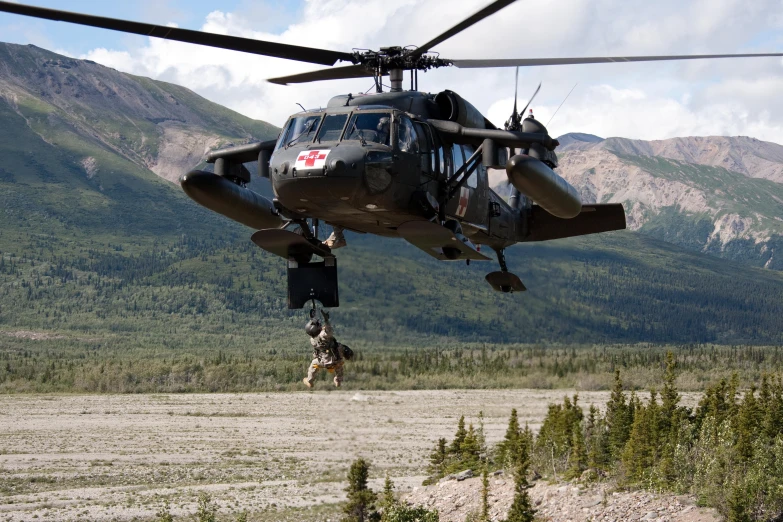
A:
325, 314
312, 313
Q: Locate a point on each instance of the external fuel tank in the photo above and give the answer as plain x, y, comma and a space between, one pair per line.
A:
536, 180
233, 201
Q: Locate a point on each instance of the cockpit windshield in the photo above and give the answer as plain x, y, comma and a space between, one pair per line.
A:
369, 127
300, 128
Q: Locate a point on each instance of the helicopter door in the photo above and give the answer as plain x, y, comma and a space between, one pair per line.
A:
479, 185
428, 167
460, 204
408, 148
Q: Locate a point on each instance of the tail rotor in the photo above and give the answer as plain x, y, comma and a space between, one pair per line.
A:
514, 123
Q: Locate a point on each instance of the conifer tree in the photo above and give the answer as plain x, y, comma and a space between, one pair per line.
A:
526, 437
361, 499
470, 451
747, 425
772, 413
459, 438
618, 418
639, 454
388, 500
669, 398
578, 452
521, 507
596, 440
481, 437
509, 441
438, 458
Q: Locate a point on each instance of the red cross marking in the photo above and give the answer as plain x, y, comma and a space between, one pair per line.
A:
310, 157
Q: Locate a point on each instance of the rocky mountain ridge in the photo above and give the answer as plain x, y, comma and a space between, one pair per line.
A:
717, 194
79, 104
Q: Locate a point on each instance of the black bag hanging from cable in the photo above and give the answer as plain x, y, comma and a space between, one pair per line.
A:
313, 281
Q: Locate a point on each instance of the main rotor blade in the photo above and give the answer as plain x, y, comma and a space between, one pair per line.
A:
530, 62
234, 43
492, 8
336, 73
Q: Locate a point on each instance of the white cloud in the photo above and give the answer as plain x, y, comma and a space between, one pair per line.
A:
651, 101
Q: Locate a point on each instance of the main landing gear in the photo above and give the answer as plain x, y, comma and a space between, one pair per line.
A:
503, 280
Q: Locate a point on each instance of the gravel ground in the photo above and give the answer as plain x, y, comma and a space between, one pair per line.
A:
118, 457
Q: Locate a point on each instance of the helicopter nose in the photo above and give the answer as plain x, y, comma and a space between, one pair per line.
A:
336, 179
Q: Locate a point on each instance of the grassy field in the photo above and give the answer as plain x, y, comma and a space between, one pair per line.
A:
192, 362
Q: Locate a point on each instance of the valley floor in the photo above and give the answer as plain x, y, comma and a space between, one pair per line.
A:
278, 456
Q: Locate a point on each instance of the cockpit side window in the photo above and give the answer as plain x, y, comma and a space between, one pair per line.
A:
407, 141
372, 127
299, 129
332, 128
283, 134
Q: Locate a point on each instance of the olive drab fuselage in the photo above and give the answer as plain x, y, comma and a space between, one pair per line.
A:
354, 178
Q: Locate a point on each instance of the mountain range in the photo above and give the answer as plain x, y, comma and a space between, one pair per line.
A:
94, 236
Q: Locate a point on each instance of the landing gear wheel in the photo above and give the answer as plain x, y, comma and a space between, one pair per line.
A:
503, 280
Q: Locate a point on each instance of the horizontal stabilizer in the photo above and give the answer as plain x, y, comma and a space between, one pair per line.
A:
592, 220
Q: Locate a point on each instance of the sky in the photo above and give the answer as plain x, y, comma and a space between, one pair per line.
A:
644, 101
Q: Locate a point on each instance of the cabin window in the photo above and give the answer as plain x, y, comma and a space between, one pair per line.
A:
473, 179
425, 148
407, 141
457, 159
438, 156
332, 128
369, 127
299, 129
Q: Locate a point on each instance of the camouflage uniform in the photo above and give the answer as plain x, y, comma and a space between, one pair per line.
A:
328, 354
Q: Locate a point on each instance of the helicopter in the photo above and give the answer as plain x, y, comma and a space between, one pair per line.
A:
402, 163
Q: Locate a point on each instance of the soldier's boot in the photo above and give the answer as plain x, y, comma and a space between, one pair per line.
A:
338, 375
336, 239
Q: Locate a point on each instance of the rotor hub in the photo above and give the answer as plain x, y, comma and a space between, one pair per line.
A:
387, 59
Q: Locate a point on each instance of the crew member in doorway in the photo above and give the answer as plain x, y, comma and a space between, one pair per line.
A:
336, 239
327, 352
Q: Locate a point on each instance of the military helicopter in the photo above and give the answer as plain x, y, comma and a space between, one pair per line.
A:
402, 163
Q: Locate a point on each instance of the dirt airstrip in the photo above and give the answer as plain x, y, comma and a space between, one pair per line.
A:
277, 456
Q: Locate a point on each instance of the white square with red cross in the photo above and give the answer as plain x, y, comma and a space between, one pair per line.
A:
311, 159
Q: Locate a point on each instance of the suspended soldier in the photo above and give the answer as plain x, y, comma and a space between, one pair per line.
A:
327, 352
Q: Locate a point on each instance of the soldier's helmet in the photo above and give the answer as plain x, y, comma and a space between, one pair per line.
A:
313, 328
